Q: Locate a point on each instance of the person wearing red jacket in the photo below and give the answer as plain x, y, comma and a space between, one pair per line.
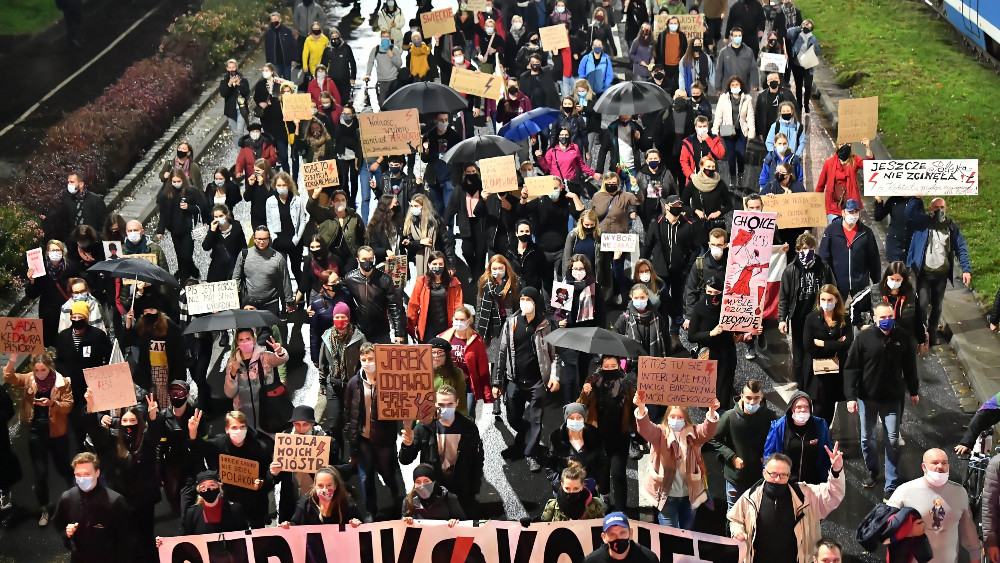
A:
254, 145
322, 84
839, 178
512, 104
702, 143
429, 311
468, 352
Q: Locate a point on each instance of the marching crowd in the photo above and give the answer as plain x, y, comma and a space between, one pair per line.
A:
673, 175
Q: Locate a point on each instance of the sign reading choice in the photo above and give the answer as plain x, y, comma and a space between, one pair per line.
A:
300, 453
21, 336
746, 271
390, 132
404, 385
959, 176
677, 381
211, 297
619, 242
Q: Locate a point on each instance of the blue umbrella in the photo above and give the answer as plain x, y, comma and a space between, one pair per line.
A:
527, 124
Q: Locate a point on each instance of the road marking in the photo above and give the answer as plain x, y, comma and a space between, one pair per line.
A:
78, 72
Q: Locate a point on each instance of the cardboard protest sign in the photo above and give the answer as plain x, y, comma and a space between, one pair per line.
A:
35, 262
773, 62
476, 5
404, 382
797, 210
746, 270
296, 107
21, 336
211, 297
691, 24
621, 242
111, 386
659, 24
238, 471
499, 174
398, 268
931, 177
438, 22
554, 37
151, 258
476, 83
390, 132
684, 382
857, 119
320, 174
562, 296
541, 186
301, 453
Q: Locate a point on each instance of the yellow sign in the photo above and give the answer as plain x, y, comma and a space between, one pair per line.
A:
476, 83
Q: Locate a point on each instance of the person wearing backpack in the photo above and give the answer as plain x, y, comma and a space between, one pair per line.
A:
784, 122
711, 264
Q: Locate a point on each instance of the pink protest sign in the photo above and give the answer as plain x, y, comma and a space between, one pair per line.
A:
746, 272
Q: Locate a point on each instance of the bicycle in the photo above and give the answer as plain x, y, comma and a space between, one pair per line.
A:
975, 475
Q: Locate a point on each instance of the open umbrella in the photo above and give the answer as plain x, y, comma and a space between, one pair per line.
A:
528, 124
630, 98
480, 146
595, 340
234, 318
135, 269
426, 97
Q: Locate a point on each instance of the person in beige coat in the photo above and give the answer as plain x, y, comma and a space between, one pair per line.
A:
735, 129
791, 513
676, 474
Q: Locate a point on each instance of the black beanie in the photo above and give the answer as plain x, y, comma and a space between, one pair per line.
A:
535, 296
423, 470
438, 342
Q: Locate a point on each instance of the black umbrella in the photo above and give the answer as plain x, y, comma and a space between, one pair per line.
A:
595, 340
426, 97
234, 318
631, 98
480, 146
135, 269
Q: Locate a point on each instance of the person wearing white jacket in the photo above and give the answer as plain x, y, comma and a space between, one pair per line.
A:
734, 122
286, 219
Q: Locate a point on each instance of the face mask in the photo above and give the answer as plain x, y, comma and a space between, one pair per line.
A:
828, 306
598, 49
316, 32
85, 483
417, 43
367, 265
851, 219
489, 31
132, 236
940, 214
536, 66
801, 418
735, 91
786, 117
672, 27
446, 413
151, 317
515, 26
391, 3
369, 367
442, 126
424, 491
936, 479
645, 277
320, 75
807, 29
574, 425
222, 221
237, 436
653, 164
781, 149
713, 300
498, 273
598, 18
246, 348
564, 140
182, 154
781, 176
178, 402
886, 324
893, 284
774, 86
717, 252
394, 170
640, 304
326, 495
560, 9
579, 275
177, 185
702, 130
611, 188
737, 41
254, 136
676, 424
337, 41
750, 409
460, 326
384, 44
806, 256
527, 307
696, 48
282, 191
675, 211
266, 74
209, 495
416, 211
775, 490
459, 60
619, 546
341, 324
79, 324
844, 152
71, 188
554, 195
524, 238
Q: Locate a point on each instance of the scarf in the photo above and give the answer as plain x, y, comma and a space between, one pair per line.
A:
492, 310
656, 345
585, 307
791, 16
338, 343
256, 146
703, 183
141, 247
186, 167
807, 283
45, 386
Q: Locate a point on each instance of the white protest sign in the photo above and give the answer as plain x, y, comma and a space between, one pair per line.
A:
773, 62
212, 297
619, 242
920, 177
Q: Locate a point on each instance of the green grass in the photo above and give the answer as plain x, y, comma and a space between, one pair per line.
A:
935, 101
21, 17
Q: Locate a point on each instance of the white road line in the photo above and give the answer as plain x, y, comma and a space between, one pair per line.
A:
78, 72
493, 466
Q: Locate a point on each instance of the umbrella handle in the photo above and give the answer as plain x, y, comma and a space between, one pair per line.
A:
134, 288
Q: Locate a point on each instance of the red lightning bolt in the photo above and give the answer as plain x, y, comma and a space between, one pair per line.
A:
462, 548
322, 445
969, 179
872, 179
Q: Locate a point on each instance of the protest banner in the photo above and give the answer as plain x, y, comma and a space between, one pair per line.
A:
238, 471
476, 5
621, 242
796, 210
35, 262
499, 174
562, 296
773, 62
390, 132
921, 177
404, 382
473, 83
554, 37
322, 174
398, 268
151, 258
434, 541
541, 186
857, 119
296, 107
301, 453
211, 297
21, 336
659, 24
677, 381
111, 386
746, 270
691, 24
438, 22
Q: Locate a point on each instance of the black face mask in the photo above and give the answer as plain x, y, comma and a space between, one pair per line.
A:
611, 373
536, 67
564, 141
611, 188
79, 324
680, 104
275, 25
568, 109
675, 211
182, 154
367, 265
178, 402
131, 434
696, 48
209, 495
512, 91
619, 546
572, 504
709, 172
786, 116
319, 255
776, 490
696, 98
774, 84
844, 152
587, 230
781, 176
713, 300
436, 270
151, 317
772, 43
659, 75
524, 238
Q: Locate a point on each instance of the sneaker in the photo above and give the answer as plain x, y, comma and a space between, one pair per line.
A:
751, 353
869, 481
44, 520
887, 494
6, 501
533, 465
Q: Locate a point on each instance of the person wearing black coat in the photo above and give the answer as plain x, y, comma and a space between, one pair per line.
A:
528, 260
539, 83
101, 516
225, 240
93, 350
10, 466
797, 299
501, 214
705, 267
50, 289
233, 86
550, 224
825, 336
266, 105
900, 231
347, 148
79, 207
472, 230
857, 264
561, 449
378, 303
178, 464
212, 514
635, 15
438, 173
158, 340
430, 500
669, 244
222, 189
766, 108
747, 15
716, 200
327, 502
338, 57
280, 47
181, 207
706, 332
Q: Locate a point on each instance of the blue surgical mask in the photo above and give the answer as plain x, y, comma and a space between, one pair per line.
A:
220, 182
735, 91
676, 424
673, 27
560, 9
750, 409
737, 40
554, 195
886, 324
446, 413
85, 483
640, 304
384, 45
417, 43
598, 49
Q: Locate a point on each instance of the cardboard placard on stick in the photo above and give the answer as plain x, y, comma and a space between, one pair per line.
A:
541, 186
301, 453
35, 262
476, 83
21, 336
499, 174
746, 270
111, 386
797, 209
390, 132
211, 297
438, 22
296, 107
929, 177
320, 174
398, 267
238, 471
554, 37
619, 242
677, 381
857, 119
404, 382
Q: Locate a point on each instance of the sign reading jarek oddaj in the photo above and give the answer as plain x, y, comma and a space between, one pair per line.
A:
956, 176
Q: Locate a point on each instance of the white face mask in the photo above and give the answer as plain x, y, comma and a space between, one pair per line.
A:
717, 252
342, 207
369, 367
676, 424
851, 218
801, 418
489, 31
893, 284
55, 256
71, 188
459, 60
527, 307
254, 136
645, 277
640, 304
516, 26
702, 130
282, 191
498, 273
574, 425
266, 74
936, 479
460, 326
578, 275
734, 91
320, 75
133, 236
828, 305
237, 436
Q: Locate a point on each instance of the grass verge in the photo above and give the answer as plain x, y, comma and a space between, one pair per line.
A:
935, 101
21, 17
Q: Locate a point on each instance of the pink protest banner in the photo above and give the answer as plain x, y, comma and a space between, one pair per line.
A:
746, 272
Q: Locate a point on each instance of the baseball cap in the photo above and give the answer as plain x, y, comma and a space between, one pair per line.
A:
615, 519
852, 205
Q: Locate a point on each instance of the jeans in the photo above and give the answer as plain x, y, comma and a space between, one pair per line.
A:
736, 150
40, 447
284, 70
733, 494
441, 194
237, 127
373, 462
567, 85
366, 175
930, 291
528, 433
676, 513
890, 413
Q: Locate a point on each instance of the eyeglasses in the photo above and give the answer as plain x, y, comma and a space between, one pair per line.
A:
265, 239
778, 476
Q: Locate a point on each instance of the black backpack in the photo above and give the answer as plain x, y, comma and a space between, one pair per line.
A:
871, 531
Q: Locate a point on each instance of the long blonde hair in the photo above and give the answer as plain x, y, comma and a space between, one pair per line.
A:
427, 218
591, 215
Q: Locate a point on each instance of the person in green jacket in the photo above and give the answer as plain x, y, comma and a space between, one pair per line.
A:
573, 501
446, 372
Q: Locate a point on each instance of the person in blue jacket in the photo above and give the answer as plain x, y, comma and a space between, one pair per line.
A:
849, 247
596, 68
793, 129
781, 153
935, 242
802, 437
899, 231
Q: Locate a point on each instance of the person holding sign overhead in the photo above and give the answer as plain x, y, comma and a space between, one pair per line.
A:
839, 178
